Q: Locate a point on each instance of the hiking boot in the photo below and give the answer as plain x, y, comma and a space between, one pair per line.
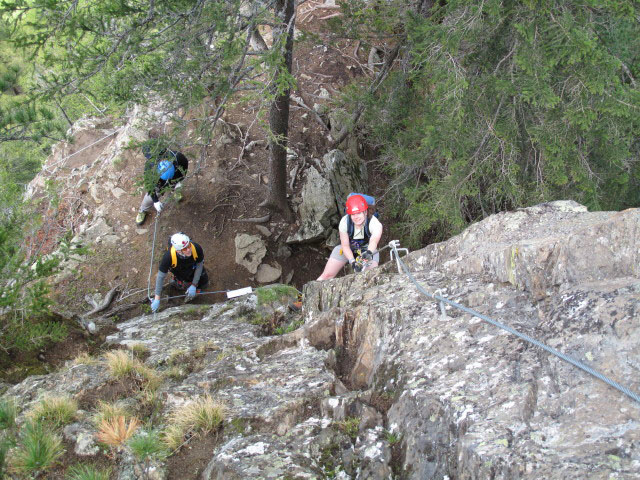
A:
141, 217
177, 192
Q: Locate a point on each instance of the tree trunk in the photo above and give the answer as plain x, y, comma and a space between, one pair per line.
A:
279, 115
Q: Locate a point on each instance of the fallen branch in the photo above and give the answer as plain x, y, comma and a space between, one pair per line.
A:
219, 205
337, 14
105, 303
254, 219
317, 117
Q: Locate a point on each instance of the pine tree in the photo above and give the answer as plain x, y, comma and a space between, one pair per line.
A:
503, 104
184, 52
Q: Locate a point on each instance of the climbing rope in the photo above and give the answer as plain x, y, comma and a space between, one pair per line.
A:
153, 248
523, 336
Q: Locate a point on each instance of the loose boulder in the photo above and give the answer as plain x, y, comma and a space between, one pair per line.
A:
268, 273
324, 193
250, 250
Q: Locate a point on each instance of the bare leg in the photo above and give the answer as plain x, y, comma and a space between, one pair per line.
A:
331, 269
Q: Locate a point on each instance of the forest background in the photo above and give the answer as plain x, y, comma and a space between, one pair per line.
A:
478, 107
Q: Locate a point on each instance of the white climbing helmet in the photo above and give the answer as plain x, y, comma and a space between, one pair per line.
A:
179, 241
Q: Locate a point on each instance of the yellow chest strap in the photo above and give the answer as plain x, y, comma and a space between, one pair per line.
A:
174, 255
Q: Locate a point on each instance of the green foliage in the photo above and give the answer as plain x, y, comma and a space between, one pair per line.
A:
500, 105
8, 412
392, 438
329, 460
87, 472
25, 322
147, 445
274, 293
282, 329
37, 451
350, 426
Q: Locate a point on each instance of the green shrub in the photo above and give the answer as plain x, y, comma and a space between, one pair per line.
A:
38, 450
271, 294
87, 472
147, 445
8, 412
350, 426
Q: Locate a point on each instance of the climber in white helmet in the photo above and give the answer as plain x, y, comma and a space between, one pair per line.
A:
185, 260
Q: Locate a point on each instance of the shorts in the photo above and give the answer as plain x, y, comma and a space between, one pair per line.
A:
183, 284
337, 254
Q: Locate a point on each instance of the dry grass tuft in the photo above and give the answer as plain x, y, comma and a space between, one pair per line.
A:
108, 411
120, 363
123, 364
54, 411
84, 358
139, 349
200, 416
117, 431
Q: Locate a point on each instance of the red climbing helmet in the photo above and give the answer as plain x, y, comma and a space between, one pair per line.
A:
356, 204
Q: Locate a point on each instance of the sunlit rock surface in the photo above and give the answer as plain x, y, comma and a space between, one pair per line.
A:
381, 382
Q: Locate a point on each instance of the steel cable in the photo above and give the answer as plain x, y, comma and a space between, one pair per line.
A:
523, 336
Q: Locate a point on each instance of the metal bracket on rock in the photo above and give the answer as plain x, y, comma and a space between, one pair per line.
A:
443, 311
394, 249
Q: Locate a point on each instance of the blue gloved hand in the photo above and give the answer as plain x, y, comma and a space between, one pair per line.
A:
155, 305
191, 291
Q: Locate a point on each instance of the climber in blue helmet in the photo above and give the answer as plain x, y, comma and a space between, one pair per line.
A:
163, 170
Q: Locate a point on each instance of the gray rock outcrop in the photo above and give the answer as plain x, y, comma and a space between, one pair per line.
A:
470, 400
381, 382
324, 193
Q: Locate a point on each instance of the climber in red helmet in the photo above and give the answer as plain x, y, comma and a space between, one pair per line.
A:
359, 238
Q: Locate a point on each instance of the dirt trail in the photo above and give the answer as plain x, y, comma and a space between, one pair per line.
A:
228, 187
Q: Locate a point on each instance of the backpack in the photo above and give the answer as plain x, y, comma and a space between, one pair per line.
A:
174, 254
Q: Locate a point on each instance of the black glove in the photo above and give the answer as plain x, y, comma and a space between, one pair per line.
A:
357, 266
367, 255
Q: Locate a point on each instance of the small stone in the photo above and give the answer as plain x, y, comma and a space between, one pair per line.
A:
118, 192
263, 230
267, 273
289, 277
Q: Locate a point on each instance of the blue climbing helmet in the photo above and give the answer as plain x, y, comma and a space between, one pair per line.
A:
166, 169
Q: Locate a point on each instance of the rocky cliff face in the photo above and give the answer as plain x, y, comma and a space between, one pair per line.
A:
380, 383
